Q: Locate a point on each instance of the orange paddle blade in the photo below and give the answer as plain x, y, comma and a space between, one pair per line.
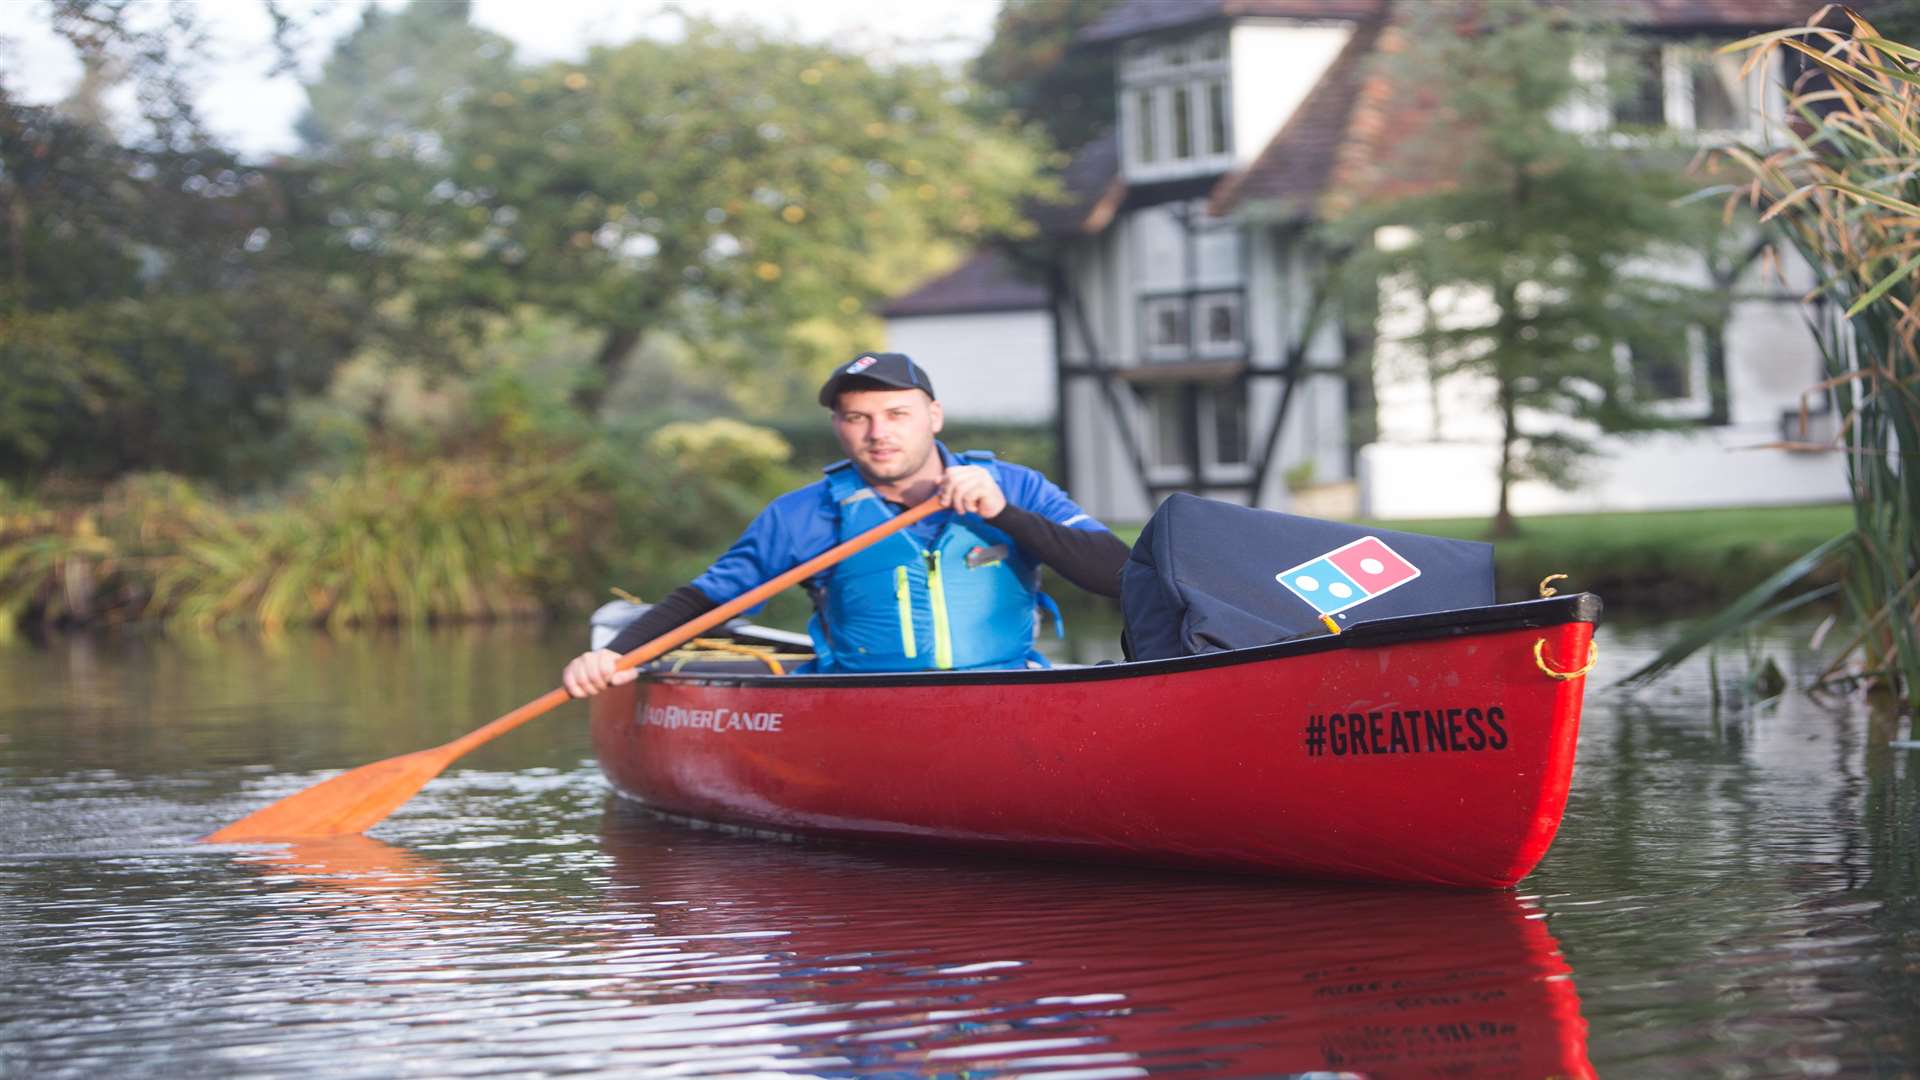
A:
349, 803
356, 800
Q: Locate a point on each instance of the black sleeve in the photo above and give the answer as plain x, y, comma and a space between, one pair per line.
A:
681, 606
1090, 558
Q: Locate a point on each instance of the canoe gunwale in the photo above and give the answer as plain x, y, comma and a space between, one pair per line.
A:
1496, 618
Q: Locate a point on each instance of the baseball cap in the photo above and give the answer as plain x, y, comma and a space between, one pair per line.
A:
886, 368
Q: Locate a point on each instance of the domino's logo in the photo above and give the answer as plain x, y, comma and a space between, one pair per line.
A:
862, 364
1348, 575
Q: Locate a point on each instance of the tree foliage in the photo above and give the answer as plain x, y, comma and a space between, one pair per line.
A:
735, 193
1542, 250
161, 307
735, 201
1032, 68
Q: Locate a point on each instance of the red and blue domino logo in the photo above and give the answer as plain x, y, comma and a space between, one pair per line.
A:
1348, 575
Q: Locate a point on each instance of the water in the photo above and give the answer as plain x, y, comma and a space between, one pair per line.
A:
1734, 893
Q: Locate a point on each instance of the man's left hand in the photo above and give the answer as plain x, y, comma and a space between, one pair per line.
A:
971, 489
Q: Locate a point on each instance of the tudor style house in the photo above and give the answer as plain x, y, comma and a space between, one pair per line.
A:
1198, 345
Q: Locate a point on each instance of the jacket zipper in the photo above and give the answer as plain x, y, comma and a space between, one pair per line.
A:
942, 633
903, 593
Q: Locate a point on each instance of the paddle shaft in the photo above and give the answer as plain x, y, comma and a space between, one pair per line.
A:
687, 631
359, 798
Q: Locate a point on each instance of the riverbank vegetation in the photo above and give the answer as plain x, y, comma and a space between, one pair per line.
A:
490, 529
1652, 562
1844, 194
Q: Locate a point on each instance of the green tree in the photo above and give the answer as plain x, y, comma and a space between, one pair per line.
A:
160, 311
395, 86
1033, 69
161, 305
725, 189
381, 114
1539, 249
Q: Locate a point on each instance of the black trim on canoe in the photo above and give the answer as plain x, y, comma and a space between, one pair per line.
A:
1526, 615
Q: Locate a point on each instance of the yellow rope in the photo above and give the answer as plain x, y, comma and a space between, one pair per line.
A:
1540, 661
1332, 626
1546, 584
766, 654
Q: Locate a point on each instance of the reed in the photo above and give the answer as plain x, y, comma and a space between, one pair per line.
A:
394, 542
64, 563
501, 527
1841, 185
401, 543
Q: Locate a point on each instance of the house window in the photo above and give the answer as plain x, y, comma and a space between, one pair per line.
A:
1720, 95
1218, 316
1680, 88
1171, 422
1166, 327
1188, 416
1188, 326
1216, 117
1227, 418
1182, 124
1144, 149
1669, 378
1176, 102
1639, 87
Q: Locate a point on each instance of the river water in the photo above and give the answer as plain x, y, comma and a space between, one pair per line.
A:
1735, 892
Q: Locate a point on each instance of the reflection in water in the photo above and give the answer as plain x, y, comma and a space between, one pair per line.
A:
933, 964
712, 953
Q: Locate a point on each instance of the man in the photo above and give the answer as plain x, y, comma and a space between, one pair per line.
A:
956, 590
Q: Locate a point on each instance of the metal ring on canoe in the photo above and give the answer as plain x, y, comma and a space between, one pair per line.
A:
1540, 661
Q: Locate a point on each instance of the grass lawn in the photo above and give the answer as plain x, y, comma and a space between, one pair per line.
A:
1652, 561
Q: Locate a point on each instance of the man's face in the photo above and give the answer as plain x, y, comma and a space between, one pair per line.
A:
888, 433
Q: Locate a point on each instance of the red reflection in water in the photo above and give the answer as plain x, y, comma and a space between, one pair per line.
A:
952, 965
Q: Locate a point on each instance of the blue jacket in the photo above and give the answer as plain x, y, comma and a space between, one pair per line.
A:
984, 614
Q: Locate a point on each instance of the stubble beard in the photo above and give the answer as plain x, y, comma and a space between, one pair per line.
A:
899, 472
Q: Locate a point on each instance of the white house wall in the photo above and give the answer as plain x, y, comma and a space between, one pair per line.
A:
1275, 67
1442, 464
988, 367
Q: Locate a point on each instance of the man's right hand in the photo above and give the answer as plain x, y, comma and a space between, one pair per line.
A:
591, 672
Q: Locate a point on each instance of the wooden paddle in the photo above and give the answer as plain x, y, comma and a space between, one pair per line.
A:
357, 799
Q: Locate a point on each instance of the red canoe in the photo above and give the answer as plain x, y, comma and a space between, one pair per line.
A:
1432, 749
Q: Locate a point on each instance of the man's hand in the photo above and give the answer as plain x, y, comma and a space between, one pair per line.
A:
592, 672
971, 489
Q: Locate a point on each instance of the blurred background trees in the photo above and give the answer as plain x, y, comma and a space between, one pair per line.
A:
1534, 252
473, 267
1032, 70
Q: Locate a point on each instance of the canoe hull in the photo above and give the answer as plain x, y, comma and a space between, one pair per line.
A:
1439, 757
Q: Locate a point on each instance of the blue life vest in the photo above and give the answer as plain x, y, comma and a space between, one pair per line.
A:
965, 602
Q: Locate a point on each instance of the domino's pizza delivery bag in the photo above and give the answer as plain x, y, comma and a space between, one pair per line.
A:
1206, 576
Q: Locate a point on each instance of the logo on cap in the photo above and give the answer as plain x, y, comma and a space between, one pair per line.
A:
1348, 575
862, 364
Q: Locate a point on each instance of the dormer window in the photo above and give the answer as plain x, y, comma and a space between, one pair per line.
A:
1682, 88
1173, 107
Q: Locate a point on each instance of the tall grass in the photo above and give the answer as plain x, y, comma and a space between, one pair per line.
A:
1842, 187
516, 528
396, 543
96, 561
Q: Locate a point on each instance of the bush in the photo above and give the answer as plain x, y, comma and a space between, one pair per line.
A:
493, 527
